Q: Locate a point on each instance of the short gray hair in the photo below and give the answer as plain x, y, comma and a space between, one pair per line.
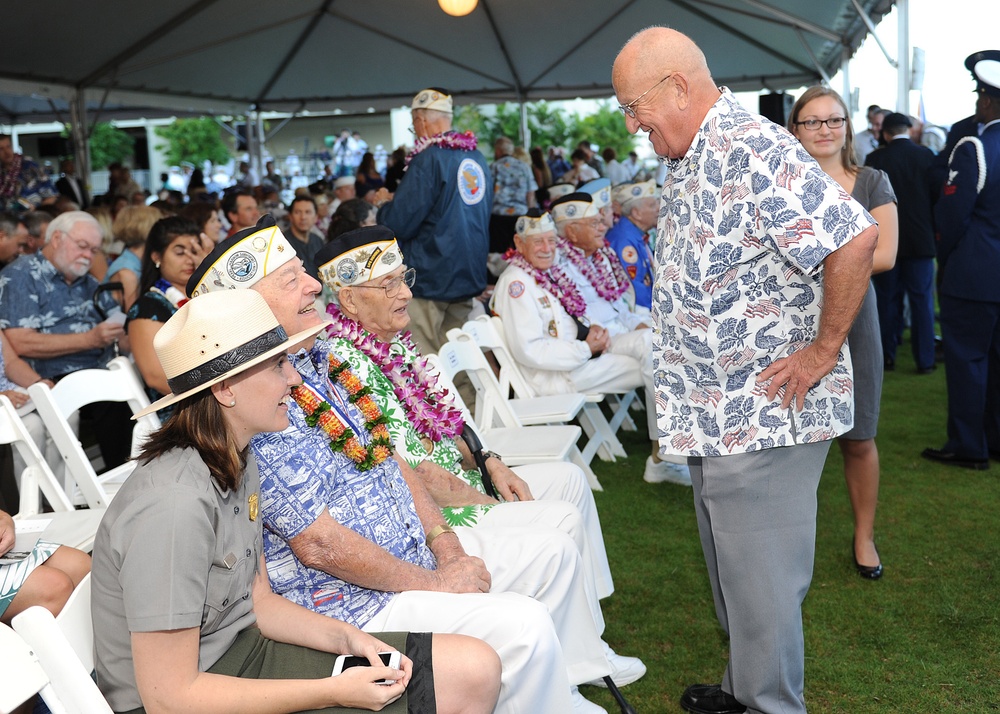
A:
65, 222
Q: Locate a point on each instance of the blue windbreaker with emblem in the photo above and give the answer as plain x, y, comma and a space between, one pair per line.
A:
441, 215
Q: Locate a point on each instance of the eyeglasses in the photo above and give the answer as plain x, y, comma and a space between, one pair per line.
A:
629, 109
814, 124
392, 287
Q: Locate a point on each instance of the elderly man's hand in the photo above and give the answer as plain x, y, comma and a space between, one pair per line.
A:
508, 484
104, 333
463, 574
597, 339
797, 373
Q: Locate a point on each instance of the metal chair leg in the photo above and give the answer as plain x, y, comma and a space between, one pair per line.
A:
619, 697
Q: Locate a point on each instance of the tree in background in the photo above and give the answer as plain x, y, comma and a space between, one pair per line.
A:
604, 127
108, 144
194, 140
548, 125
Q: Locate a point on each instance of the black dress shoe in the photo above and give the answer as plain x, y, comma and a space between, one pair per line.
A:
951, 459
927, 370
867, 571
710, 699
889, 364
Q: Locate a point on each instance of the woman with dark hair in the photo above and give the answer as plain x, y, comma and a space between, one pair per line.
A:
184, 615
820, 121
355, 213
368, 178
170, 259
205, 215
397, 166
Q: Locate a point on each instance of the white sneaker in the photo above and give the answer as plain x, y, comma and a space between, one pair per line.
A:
660, 471
584, 706
624, 670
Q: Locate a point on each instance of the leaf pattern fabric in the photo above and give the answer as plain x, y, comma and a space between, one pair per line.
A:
746, 221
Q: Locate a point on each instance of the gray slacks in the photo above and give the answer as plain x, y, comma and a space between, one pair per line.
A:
757, 522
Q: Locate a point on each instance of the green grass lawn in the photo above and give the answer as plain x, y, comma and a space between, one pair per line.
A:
924, 638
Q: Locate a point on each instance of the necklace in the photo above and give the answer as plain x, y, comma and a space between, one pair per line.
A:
465, 141
175, 296
342, 438
553, 281
607, 276
429, 408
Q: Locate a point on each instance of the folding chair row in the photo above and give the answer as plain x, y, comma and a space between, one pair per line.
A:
498, 427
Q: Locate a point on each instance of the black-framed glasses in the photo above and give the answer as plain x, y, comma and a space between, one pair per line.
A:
392, 287
629, 109
814, 124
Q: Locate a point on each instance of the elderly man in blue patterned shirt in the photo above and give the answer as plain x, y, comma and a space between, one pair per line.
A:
762, 263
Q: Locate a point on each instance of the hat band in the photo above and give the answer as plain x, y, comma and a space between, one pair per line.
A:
227, 362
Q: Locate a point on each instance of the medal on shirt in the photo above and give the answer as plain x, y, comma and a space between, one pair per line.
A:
252, 506
552, 328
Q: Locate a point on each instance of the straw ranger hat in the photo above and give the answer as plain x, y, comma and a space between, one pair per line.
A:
216, 336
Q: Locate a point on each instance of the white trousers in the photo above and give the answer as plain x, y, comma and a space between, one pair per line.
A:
563, 500
533, 679
638, 344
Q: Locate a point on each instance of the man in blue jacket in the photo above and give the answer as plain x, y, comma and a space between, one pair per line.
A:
441, 216
968, 223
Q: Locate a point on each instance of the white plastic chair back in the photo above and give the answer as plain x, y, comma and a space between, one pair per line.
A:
37, 477
65, 648
118, 383
21, 674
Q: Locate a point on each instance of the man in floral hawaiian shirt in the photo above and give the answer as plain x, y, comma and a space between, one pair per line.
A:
762, 263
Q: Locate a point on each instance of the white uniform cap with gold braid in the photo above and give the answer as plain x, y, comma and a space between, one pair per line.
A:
432, 99
631, 191
573, 207
242, 259
561, 189
600, 189
358, 256
535, 225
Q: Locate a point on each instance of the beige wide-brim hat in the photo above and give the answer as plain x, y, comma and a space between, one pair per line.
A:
216, 336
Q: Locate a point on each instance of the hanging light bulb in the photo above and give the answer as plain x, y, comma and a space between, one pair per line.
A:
458, 8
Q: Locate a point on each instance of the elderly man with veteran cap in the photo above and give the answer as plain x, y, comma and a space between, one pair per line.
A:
585, 257
967, 217
640, 204
550, 335
352, 532
440, 215
368, 330
600, 193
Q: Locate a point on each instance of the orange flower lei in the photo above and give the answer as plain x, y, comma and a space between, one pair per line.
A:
342, 438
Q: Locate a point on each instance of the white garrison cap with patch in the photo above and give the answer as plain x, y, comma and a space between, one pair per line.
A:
432, 99
561, 189
535, 225
631, 191
574, 207
358, 256
243, 259
600, 189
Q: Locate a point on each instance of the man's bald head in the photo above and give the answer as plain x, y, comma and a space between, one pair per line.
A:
667, 73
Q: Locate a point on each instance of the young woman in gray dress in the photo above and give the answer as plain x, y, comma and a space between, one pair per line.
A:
184, 615
820, 121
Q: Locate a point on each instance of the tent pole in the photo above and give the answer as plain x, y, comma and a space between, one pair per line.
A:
525, 131
259, 134
904, 52
78, 128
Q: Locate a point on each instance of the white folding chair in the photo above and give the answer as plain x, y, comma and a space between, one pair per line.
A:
489, 334
66, 525
499, 427
117, 383
65, 648
21, 674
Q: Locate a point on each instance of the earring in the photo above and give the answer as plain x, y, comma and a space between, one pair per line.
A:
232, 403
157, 264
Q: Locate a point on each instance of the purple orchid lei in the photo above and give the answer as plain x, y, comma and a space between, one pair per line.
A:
553, 281
464, 141
608, 276
429, 407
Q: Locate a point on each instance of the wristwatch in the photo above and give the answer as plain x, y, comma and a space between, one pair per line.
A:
491, 455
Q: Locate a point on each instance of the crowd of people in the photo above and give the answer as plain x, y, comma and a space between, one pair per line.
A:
314, 489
